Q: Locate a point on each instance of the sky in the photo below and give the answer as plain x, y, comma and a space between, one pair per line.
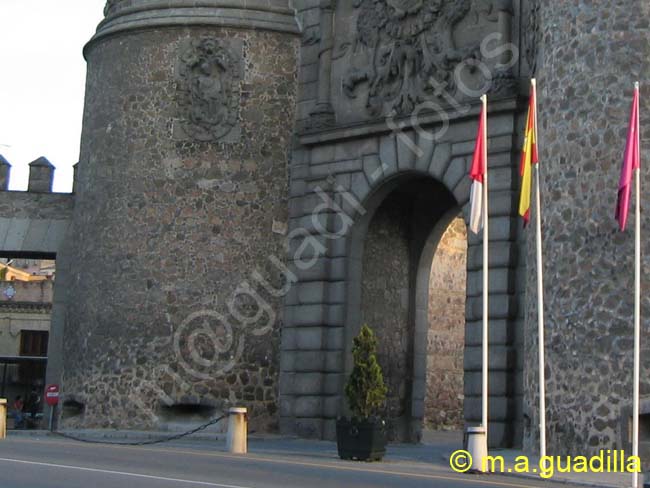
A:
42, 83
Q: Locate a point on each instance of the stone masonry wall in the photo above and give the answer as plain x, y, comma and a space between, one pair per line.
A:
385, 301
168, 231
591, 54
443, 403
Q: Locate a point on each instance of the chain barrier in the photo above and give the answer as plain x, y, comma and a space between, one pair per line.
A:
143, 443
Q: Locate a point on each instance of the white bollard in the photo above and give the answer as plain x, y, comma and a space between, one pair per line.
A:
477, 447
3, 418
237, 431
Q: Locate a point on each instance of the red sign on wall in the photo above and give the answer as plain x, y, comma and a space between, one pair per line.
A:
52, 395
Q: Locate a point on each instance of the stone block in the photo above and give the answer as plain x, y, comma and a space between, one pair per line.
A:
336, 315
288, 426
41, 176
419, 388
502, 254
498, 383
331, 406
307, 384
309, 338
462, 191
347, 150
456, 171
348, 166
503, 160
310, 269
503, 203
464, 148
500, 358
359, 187
288, 340
499, 333
388, 154
329, 429
372, 168
321, 170
288, 361
322, 154
297, 188
309, 428
304, 248
305, 315
498, 409
500, 280
308, 406
333, 384
499, 307
503, 179
501, 434
440, 161
286, 405
334, 361
406, 150
337, 292
338, 247
502, 228
417, 409
504, 143
335, 338
426, 147
311, 292
309, 361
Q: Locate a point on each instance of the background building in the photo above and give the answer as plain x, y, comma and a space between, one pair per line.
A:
25, 309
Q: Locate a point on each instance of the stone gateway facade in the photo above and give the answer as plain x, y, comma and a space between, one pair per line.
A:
258, 179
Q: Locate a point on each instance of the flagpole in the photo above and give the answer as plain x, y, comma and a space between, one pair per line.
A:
486, 235
637, 309
540, 295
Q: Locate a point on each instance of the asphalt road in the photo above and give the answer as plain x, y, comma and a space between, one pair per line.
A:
57, 463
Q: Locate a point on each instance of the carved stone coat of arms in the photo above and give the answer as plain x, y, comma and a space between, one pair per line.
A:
208, 89
410, 52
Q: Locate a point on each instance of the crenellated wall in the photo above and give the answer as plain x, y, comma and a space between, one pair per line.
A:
33, 221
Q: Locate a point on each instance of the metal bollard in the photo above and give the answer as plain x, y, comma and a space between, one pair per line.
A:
477, 447
3, 418
237, 431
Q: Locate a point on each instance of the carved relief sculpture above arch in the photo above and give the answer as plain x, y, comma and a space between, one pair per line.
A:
392, 55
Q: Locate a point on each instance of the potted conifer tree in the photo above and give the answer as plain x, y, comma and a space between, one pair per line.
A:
363, 437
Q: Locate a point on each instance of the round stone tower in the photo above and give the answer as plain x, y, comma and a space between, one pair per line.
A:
173, 309
589, 56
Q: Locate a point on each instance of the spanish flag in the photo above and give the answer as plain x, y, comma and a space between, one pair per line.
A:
529, 156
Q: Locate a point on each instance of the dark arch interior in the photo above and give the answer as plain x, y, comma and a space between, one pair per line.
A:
396, 243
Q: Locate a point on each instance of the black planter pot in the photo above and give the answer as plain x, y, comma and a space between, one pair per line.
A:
361, 440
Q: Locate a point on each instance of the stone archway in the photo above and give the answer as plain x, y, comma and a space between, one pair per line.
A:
339, 189
400, 232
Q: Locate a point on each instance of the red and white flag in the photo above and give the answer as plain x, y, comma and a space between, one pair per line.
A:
477, 174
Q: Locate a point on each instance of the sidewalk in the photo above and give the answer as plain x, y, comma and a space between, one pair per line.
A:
432, 455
